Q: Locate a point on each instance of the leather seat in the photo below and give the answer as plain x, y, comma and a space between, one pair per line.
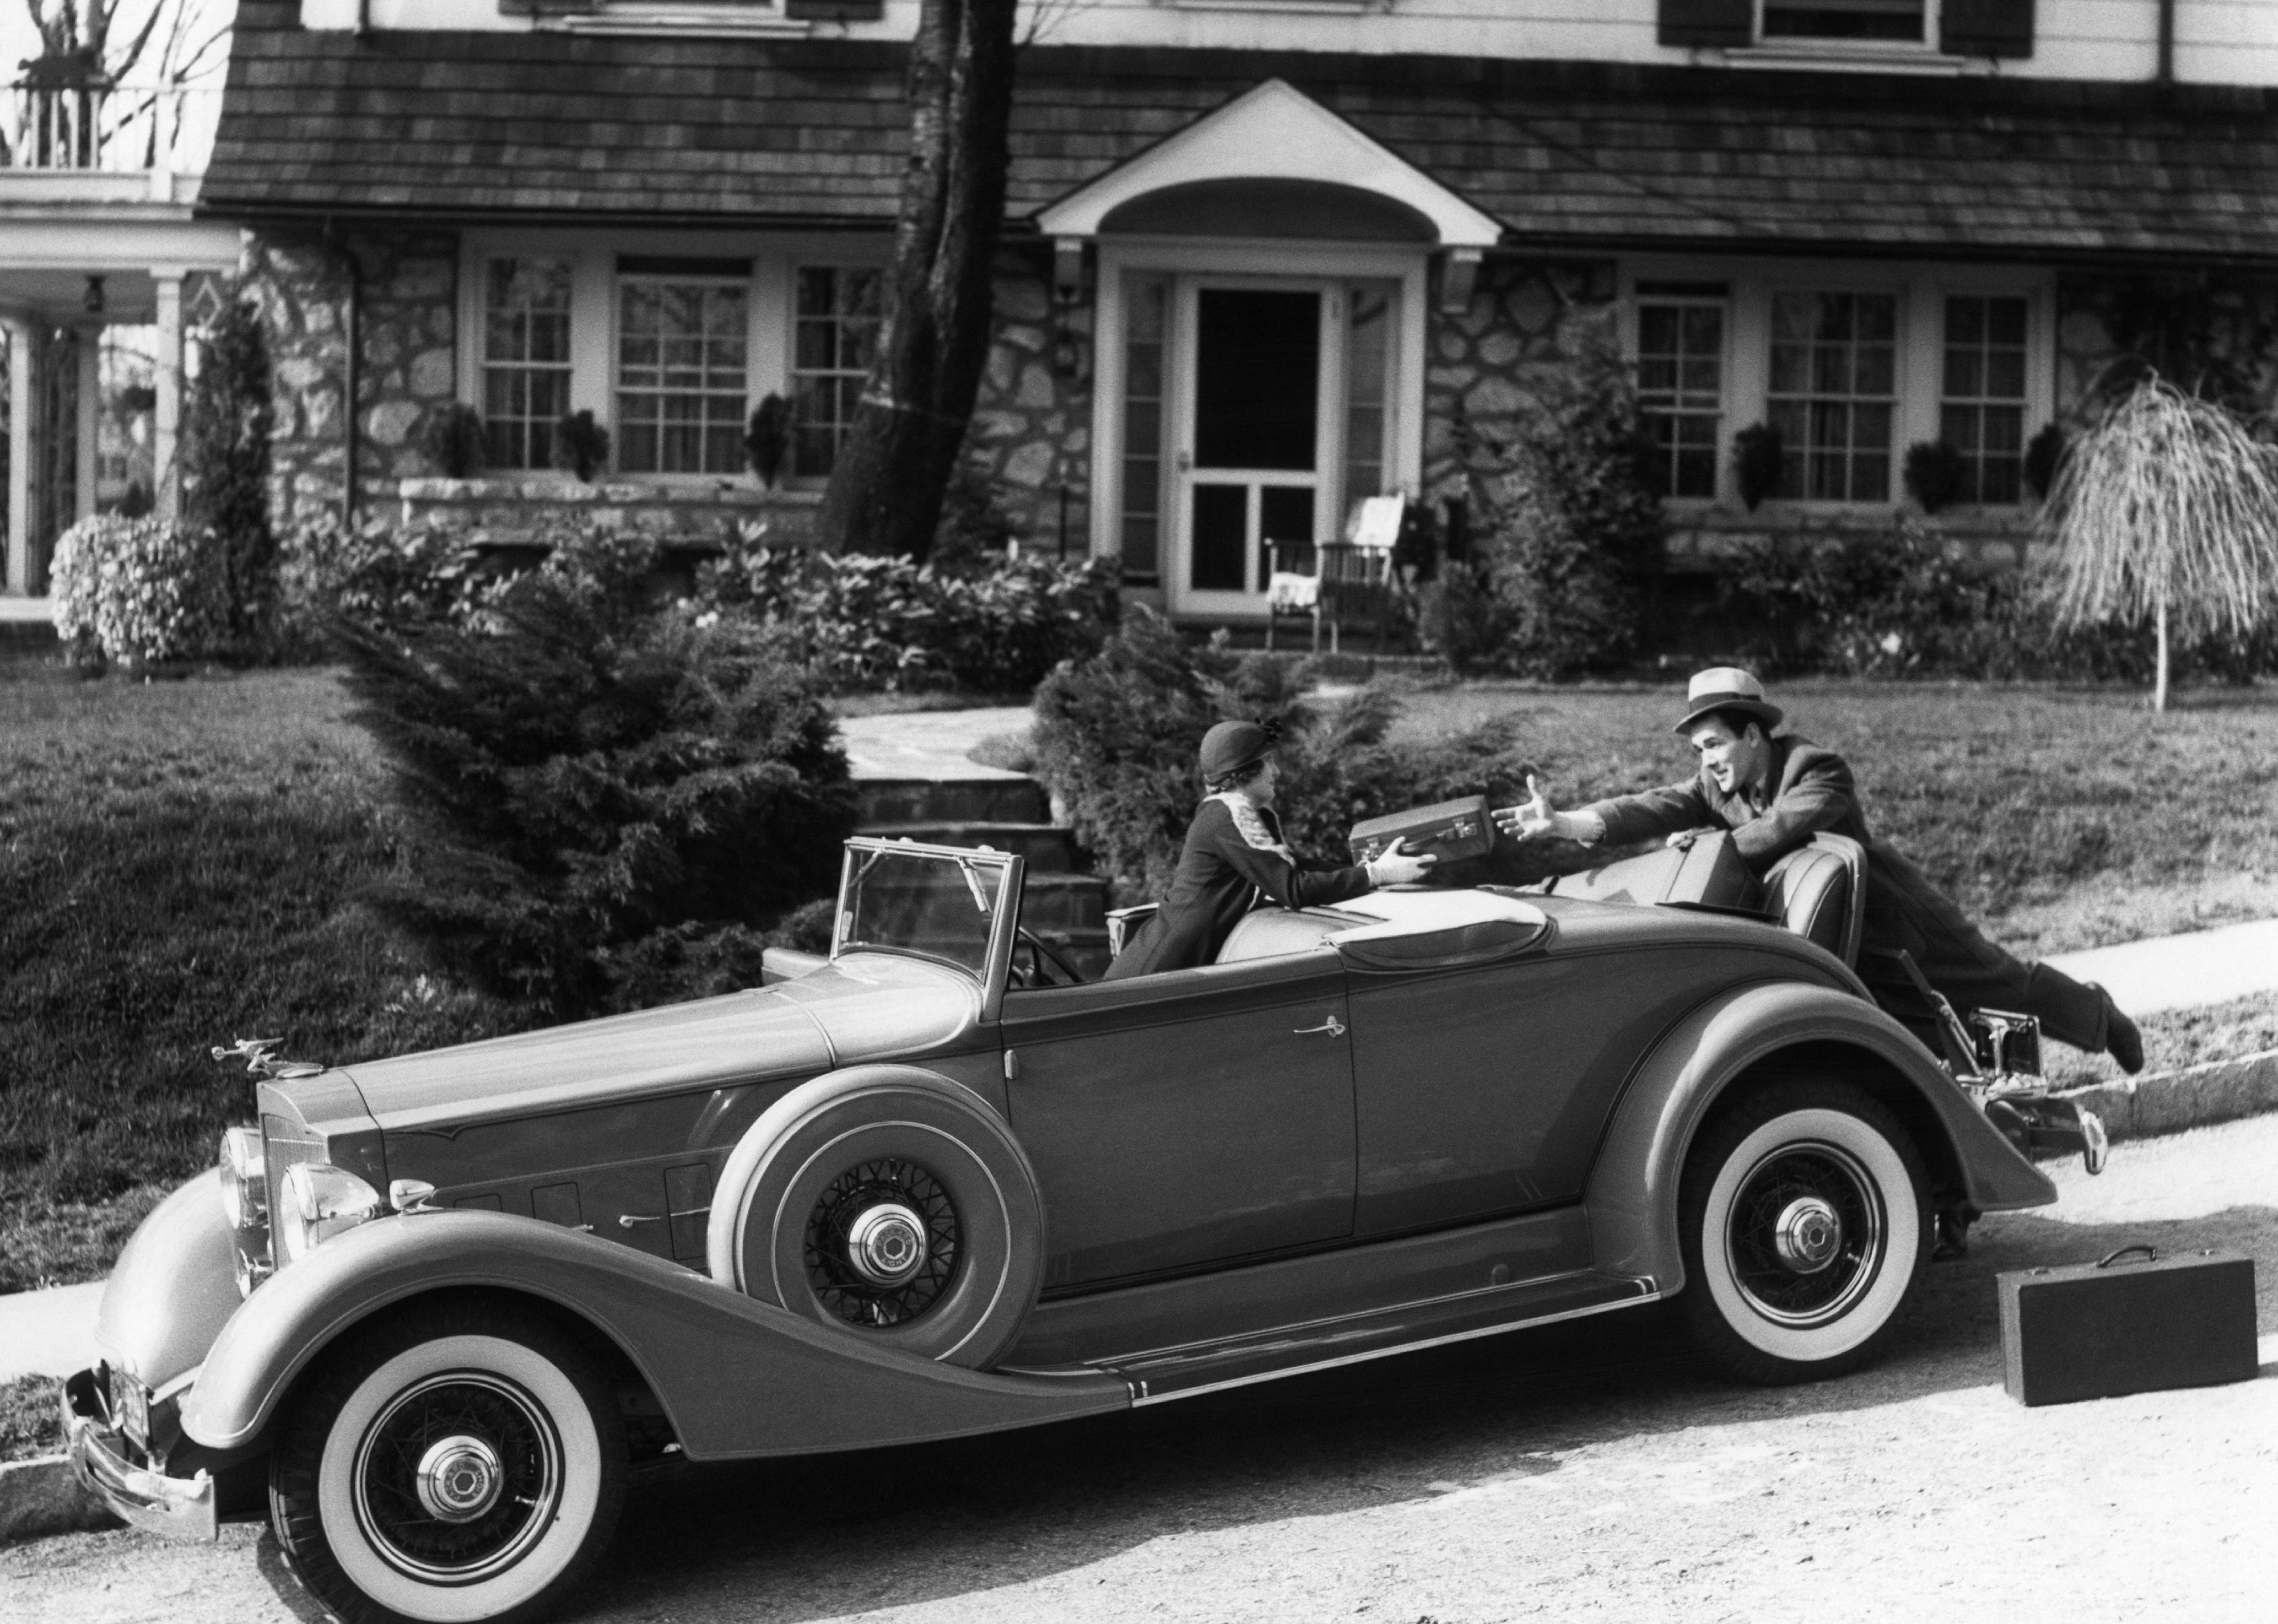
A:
1819, 891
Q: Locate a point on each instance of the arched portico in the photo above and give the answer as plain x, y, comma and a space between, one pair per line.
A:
1261, 281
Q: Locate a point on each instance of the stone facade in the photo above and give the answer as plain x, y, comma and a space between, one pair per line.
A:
507, 507
1031, 433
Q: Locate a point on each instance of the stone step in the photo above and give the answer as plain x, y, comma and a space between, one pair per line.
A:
1048, 848
949, 800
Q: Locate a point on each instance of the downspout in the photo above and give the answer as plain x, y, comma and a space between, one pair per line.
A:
2167, 77
351, 379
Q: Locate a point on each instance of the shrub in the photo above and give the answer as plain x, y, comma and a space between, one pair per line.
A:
1757, 455
376, 572
861, 622
1115, 736
612, 804
225, 426
1936, 475
453, 438
2043, 452
767, 437
581, 445
1568, 531
139, 592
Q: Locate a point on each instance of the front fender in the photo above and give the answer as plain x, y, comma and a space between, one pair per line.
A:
173, 1288
735, 1376
1632, 1196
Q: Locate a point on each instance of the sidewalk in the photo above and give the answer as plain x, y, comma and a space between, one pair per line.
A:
928, 743
2181, 973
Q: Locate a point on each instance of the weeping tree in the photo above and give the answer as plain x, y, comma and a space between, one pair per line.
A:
2166, 509
886, 486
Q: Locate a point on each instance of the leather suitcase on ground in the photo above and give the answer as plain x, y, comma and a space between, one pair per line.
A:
1451, 831
2134, 1322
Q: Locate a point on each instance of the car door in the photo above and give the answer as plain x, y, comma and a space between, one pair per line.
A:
1180, 1120
1483, 1090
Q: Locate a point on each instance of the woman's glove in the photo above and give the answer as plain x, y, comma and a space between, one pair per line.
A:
1394, 866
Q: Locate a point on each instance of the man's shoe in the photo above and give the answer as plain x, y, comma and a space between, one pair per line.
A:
2122, 1041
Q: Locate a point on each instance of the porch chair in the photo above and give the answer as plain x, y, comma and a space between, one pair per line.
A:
1337, 581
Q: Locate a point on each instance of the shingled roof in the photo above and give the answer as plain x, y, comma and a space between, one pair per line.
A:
534, 126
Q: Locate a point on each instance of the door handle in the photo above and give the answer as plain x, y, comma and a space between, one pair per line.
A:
1334, 1027
1186, 462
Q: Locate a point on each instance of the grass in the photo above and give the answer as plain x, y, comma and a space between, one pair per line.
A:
2059, 818
31, 1418
178, 867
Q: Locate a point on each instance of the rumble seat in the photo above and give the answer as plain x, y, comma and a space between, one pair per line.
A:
1818, 891
1269, 932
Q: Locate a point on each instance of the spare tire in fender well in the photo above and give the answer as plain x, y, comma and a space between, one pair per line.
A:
889, 1202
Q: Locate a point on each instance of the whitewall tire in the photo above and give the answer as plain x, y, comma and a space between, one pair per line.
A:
1804, 1227
449, 1466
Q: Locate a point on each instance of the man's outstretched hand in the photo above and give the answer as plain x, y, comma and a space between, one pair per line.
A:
1535, 817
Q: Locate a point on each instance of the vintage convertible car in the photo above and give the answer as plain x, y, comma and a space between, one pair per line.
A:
441, 1307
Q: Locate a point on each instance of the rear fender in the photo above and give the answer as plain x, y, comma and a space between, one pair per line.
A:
735, 1376
1632, 1196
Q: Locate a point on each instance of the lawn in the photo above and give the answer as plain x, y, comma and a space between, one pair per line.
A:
179, 864
2060, 818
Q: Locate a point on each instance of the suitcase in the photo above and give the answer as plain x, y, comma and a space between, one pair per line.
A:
2128, 1324
1451, 831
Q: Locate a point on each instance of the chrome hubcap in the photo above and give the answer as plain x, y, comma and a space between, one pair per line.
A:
887, 1244
1808, 1235
459, 1479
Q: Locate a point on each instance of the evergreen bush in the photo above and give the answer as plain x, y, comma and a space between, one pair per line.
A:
1936, 475
140, 592
226, 427
453, 438
611, 804
1115, 736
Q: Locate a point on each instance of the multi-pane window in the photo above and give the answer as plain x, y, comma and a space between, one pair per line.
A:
835, 323
1834, 380
1146, 299
1368, 364
1843, 20
1681, 385
525, 359
681, 360
1983, 412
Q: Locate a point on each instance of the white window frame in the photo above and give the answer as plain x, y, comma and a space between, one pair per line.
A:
835, 262
623, 280
1633, 348
1814, 45
475, 360
1922, 286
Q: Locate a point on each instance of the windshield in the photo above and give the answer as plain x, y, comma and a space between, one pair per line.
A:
939, 903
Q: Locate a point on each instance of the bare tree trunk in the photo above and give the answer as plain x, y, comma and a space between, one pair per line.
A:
2159, 685
886, 486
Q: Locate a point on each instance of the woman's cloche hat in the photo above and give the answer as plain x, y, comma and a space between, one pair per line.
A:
1231, 746
1727, 688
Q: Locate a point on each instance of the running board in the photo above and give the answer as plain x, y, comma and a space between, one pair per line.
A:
1198, 1368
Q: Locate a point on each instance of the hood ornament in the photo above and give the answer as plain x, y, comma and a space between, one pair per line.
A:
261, 1060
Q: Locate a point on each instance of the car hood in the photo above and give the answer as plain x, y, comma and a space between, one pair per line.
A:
861, 1007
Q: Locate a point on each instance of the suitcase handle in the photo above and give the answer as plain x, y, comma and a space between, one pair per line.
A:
2150, 1255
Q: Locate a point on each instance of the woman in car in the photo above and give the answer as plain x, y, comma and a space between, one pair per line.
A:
1234, 858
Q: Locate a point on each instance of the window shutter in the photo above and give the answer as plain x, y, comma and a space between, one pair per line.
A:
1986, 29
1730, 23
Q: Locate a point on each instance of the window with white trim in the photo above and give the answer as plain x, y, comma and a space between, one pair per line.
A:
1902, 20
836, 311
1982, 414
525, 359
1833, 393
1680, 383
682, 360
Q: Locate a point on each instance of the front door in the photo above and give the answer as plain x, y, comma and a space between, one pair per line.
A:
1185, 1119
1253, 435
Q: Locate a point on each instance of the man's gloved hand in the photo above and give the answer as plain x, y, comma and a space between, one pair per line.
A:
1534, 818
1395, 866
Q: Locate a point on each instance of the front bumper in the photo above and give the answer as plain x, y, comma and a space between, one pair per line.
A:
181, 1508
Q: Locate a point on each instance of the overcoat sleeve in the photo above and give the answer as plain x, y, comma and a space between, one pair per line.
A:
1283, 880
1815, 793
1666, 810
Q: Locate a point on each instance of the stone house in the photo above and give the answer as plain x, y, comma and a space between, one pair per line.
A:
1261, 257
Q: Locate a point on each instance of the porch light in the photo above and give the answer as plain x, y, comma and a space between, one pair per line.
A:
93, 300
1068, 269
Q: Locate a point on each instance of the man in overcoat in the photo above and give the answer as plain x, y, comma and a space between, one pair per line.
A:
1774, 792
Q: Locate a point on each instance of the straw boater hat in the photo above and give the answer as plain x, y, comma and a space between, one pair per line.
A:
1727, 688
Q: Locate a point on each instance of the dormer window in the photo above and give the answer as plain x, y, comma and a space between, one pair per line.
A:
1898, 21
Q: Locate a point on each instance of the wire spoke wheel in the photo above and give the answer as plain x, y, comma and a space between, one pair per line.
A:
1806, 1234
458, 1478
882, 1243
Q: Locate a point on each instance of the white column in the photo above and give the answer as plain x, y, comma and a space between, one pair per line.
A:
21, 408
166, 417
90, 417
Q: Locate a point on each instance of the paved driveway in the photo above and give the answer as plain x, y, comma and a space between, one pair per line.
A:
1583, 1472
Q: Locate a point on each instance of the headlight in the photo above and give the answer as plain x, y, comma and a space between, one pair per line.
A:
244, 1178
318, 1201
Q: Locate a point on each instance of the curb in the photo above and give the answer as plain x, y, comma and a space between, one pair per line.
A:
2195, 1097
44, 1497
